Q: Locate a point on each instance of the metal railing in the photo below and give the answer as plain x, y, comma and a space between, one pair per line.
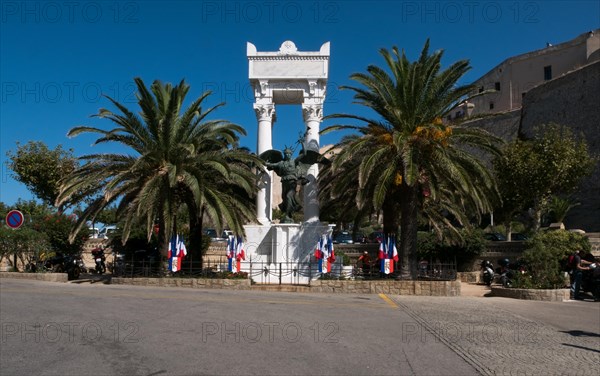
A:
262, 272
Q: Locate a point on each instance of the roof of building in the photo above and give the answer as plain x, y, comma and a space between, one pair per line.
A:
548, 49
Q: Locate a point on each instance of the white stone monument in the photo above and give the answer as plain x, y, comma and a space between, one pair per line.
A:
287, 77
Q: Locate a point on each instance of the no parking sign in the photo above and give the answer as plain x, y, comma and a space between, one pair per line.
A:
14, 219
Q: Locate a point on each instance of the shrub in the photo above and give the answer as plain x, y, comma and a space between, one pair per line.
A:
345, 258
57, 228
463, 249
544, 257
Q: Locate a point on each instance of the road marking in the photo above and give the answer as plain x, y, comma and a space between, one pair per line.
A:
388, 300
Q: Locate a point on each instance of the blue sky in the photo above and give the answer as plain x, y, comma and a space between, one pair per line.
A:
58, 57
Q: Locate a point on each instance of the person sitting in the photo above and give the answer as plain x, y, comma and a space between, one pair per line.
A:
365, 259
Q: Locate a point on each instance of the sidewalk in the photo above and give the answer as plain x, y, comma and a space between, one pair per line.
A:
474, 290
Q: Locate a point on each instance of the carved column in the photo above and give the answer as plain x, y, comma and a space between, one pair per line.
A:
265, 114
313, 115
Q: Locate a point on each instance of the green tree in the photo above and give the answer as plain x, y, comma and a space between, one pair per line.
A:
58, 227
408, 155
41, 168
24, 243
178, 157
530, 172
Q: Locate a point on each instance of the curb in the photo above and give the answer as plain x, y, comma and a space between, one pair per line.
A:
48, 277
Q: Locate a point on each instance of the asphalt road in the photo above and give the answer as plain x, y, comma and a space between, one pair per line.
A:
96, 329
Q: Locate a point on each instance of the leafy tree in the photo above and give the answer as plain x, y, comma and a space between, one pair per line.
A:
41, 168
24, 243
177, 158
530, 172
408, 155
32, 210
58, 227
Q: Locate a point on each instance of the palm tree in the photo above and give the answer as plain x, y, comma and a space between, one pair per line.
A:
178, 158
409, 158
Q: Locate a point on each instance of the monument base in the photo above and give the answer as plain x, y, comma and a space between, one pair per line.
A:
282, 253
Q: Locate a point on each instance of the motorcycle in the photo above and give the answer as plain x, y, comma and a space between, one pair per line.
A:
99, 259
70, 264
505, 273
487, 272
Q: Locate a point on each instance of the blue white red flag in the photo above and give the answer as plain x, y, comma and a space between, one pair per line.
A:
230, 252
319, 249
381, 254
393, 251
330, 250
177, 251
239, 249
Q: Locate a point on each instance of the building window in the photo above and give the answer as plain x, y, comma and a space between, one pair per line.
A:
491, 105
481, 89
547, 72
497, 86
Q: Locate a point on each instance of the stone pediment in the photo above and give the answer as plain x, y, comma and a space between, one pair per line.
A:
288, 63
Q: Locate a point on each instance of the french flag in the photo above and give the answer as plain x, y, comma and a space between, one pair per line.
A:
319, 249
319, 253
230, 252
382, 254
177, 251
392, 252
239, 253
330, 250
239, 249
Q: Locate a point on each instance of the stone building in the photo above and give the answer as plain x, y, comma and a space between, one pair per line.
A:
511, 79
567, 93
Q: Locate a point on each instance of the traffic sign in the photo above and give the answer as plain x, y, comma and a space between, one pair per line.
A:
14, 219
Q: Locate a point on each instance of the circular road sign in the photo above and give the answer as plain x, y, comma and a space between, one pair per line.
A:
14, 219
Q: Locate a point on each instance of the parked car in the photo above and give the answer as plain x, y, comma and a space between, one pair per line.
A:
94, 231
211, 233
494, 236
342, 237
106, 232
518, 236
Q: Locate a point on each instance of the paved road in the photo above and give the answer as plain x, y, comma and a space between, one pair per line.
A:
95, 329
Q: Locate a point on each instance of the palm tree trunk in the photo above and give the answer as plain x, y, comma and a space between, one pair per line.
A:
408, 231
196, 236
163, 240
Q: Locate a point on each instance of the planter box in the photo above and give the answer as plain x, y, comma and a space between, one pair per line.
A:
549, 295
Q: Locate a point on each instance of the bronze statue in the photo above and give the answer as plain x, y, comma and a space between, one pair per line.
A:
292, 173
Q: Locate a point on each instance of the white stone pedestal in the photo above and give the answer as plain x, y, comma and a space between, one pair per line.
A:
282, 253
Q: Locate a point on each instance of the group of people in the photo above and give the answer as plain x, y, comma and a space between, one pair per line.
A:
579, 266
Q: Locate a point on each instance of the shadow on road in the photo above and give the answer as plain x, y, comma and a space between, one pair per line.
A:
581, 333
93, 278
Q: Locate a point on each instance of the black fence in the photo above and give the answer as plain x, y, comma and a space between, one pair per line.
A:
278, 273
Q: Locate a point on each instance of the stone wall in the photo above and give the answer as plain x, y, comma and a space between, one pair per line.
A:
572, 100
557, 295
48, 277
421, 288
230, 284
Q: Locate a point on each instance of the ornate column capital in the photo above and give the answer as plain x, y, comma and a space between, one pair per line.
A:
312, 112
265, 112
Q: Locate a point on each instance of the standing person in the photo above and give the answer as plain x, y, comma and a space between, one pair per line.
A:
580, 266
